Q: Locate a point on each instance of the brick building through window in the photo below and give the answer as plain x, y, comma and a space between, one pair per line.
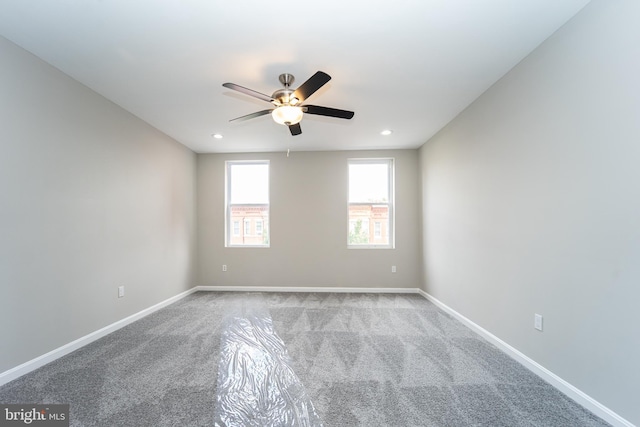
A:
369, 224
249, 225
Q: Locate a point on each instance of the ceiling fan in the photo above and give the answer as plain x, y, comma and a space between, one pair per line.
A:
289, 109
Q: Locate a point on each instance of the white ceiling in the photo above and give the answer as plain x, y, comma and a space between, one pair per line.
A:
410, 66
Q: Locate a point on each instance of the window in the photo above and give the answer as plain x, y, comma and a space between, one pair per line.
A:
247, 202
370, 208
377, 230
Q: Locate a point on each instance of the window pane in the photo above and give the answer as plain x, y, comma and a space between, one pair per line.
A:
368, 182
370, 203
249, 183
247, 212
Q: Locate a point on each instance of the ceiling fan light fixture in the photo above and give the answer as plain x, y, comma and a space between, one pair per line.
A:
287, 115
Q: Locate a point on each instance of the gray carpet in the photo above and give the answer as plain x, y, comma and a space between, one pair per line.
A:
358, 359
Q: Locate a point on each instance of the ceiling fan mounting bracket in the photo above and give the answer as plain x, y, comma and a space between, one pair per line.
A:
286, 79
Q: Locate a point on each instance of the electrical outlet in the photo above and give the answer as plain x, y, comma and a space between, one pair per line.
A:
537, 321
393, 268
224, 267
120, 291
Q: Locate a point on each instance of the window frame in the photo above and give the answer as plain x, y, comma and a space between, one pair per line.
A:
229, 230
390, 162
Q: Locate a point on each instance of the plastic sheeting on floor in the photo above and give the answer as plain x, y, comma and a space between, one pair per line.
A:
256, 383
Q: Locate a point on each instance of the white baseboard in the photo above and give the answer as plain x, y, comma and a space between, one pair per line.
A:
49, 357
574, 393
307, 289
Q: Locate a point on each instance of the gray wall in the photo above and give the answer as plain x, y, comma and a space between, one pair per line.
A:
308, 193
531, 204
90, 198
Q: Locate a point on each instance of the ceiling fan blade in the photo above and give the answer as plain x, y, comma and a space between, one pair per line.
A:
252, 115
295, 129
248, 91
327, 111
314, 83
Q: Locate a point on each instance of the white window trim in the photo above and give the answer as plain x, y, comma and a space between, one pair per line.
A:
391, 226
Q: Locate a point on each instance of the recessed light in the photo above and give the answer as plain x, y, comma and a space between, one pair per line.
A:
386, 132
216, 135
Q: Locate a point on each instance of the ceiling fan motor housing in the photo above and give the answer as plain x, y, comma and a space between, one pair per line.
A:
284, 97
